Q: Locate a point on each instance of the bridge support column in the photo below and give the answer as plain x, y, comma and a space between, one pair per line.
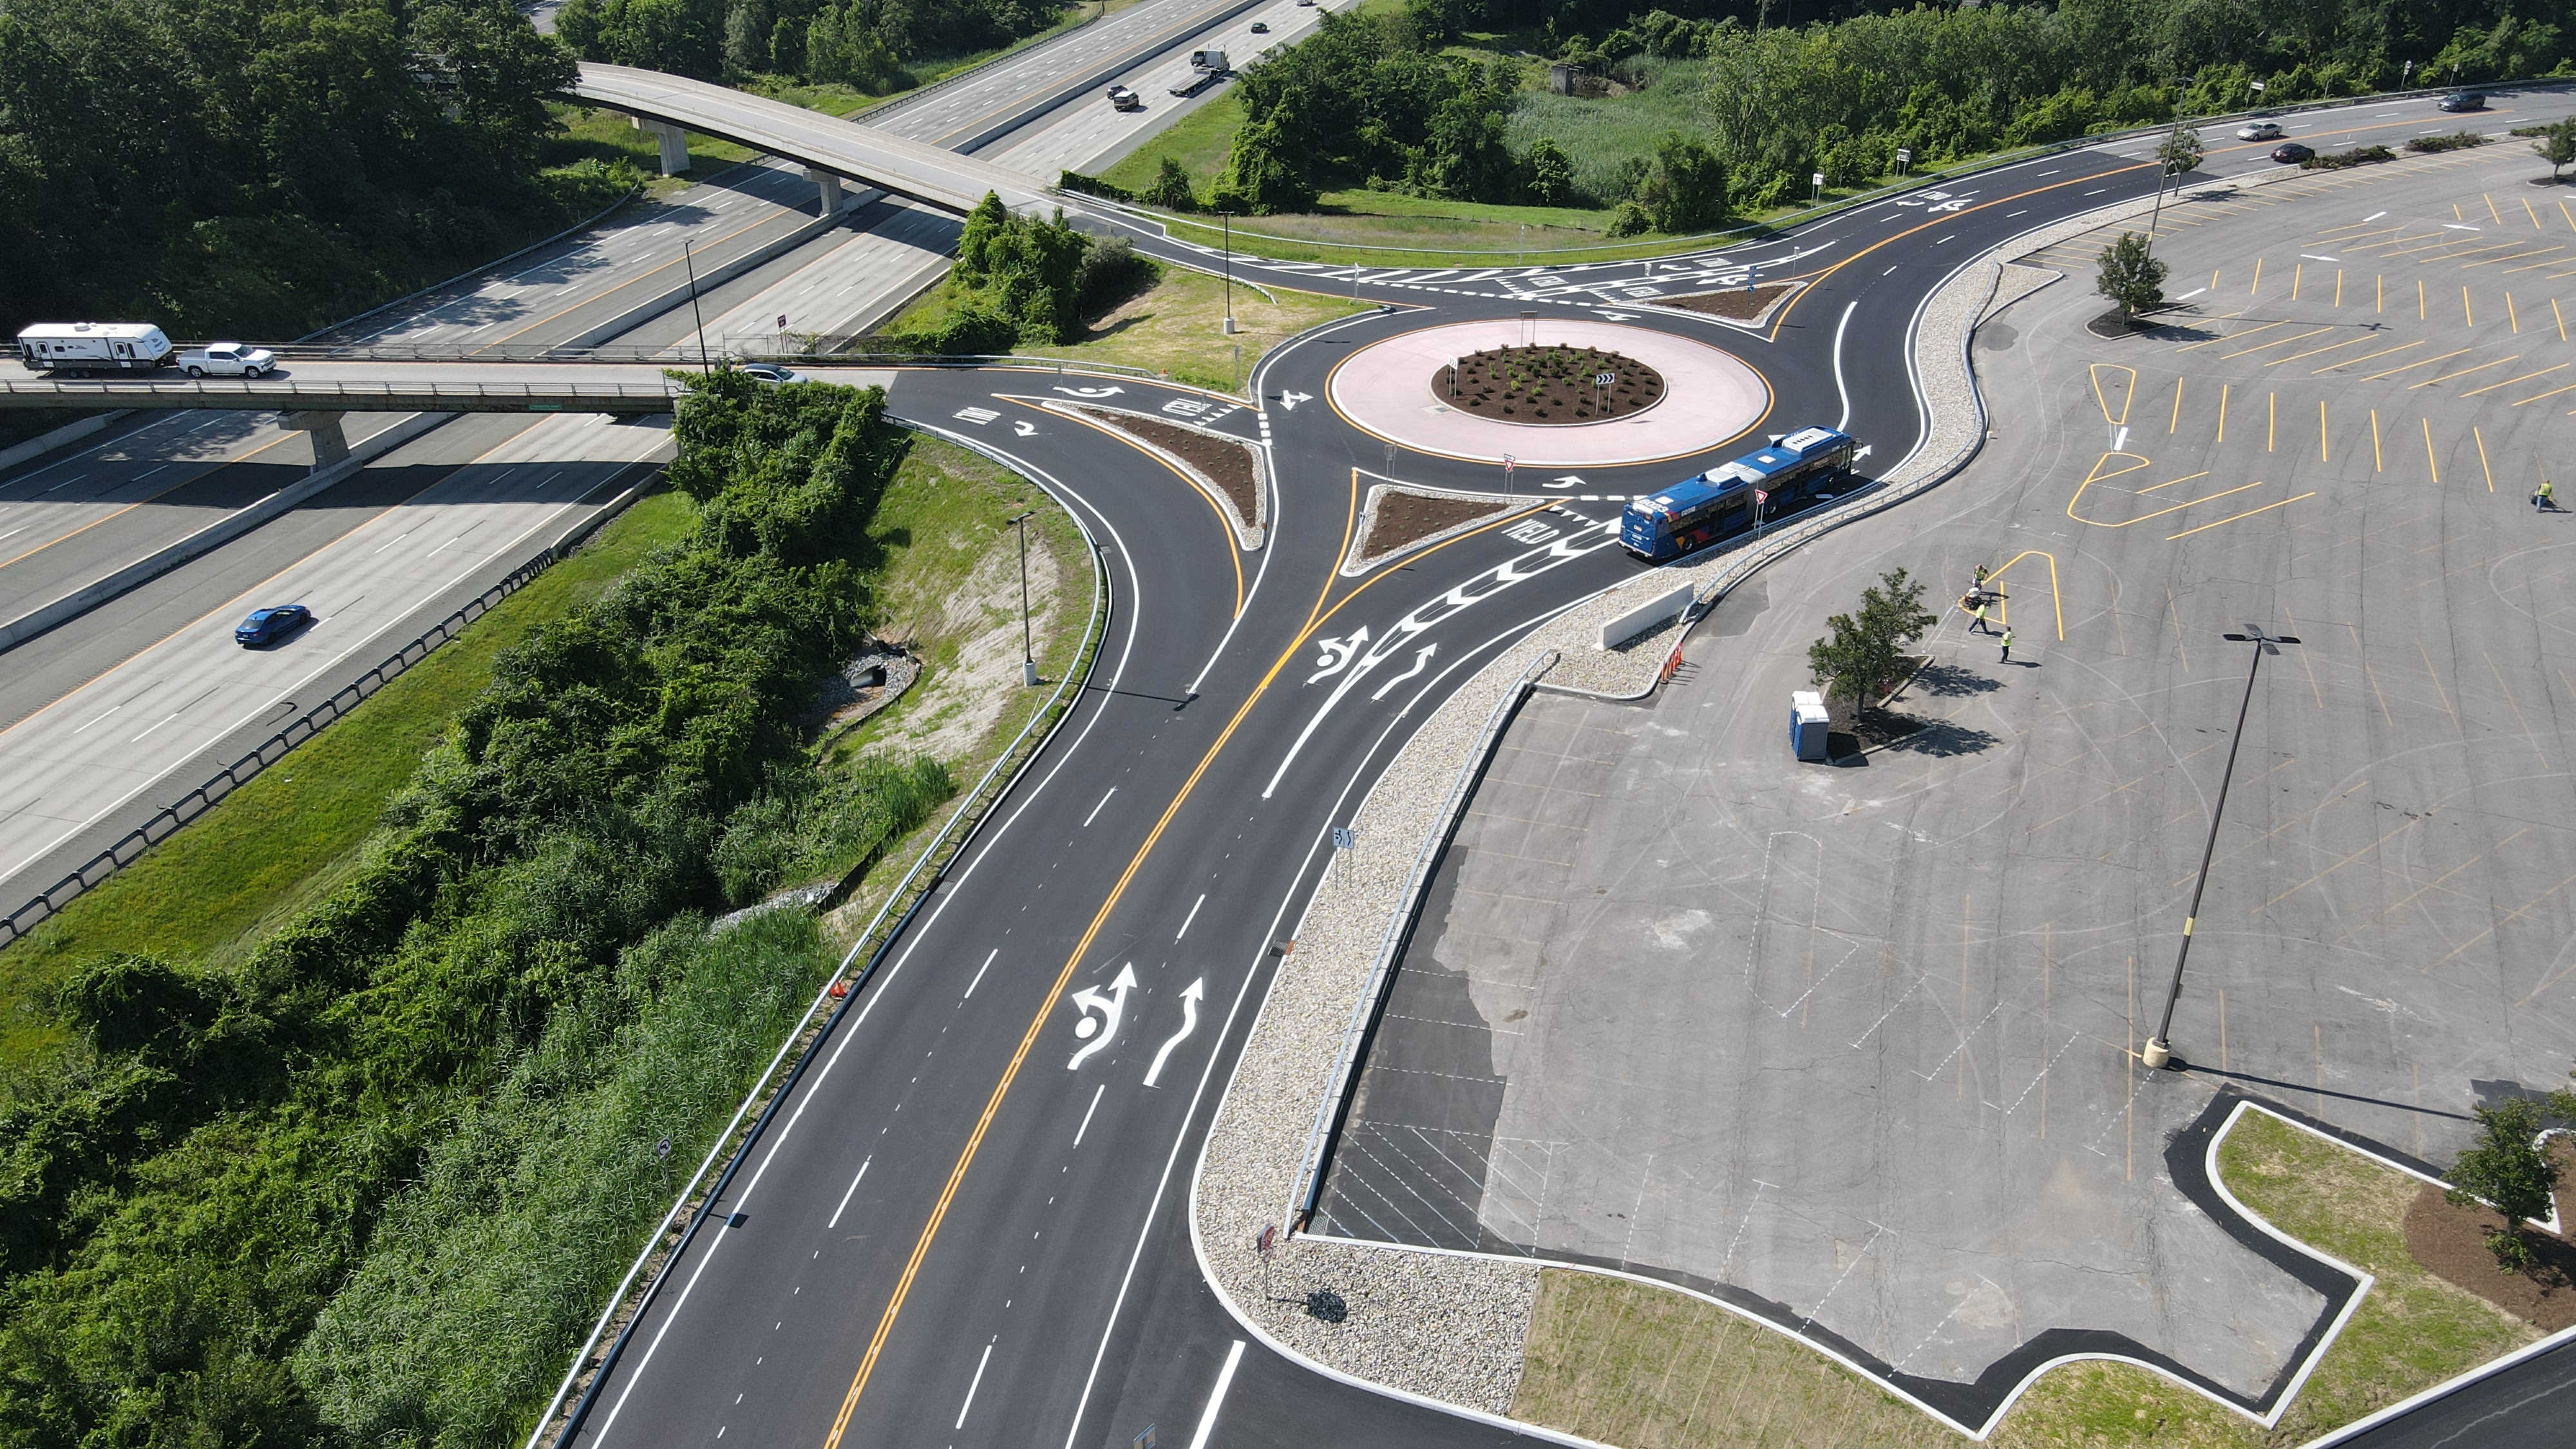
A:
830, 186
330, 443
674, 142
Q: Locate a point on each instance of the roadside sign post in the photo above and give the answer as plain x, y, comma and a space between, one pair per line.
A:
1602, 382
1028, 653
1507, 474
1262, 1245
1904, 159
1816, 183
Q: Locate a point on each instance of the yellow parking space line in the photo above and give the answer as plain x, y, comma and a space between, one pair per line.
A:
2275, 342
2222, 412
2535, 266
2382, 305
2559, 317
2356, 235
2491, 210
2466, 316
2510, 381
2419, 300
2463, 372
2378, 464
2534, 215
2429, 460
2483, 465
2258, 278
2570, 215
2248, 513
2338, 301
2409, 367
2318, 351
2365, 357
2321, 430
2514, 257
2507, 918
2271, 420
2159, 513
2176, 421
2231, 337
2553, 392
2169, 482
2298, 271
2511, 315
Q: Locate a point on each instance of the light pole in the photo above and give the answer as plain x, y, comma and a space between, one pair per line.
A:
692, 264
1226, 221
2163, 161
1028, 653
2159, 1049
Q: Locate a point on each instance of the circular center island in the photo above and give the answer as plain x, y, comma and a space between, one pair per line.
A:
1549, 385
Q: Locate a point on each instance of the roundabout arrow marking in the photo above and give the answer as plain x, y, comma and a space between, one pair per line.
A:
1102, 1030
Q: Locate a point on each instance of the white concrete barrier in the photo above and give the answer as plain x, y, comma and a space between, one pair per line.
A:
1647, 615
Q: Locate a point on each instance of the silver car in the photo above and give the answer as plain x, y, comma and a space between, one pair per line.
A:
2259, 131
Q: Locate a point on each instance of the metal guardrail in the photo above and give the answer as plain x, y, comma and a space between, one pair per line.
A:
168, 820
734, 1145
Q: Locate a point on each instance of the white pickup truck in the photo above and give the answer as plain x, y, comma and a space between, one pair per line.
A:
228, 359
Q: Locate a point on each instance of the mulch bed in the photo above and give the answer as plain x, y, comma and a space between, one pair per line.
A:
2451, 1242
1404, 518
1740, 305
1228, 464
1547, 385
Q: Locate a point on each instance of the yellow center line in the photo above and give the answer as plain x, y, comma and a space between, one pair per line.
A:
2463, 372
2510, 381
2429, 460
2248, 513
1047, 1007
2483, 466
2409, 367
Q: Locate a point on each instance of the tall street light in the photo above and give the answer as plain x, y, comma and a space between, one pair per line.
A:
692, 264
2163, 161
1225, 219
1028, 654
2159, 1050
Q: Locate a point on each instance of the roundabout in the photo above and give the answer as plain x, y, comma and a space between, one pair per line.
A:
1397, 390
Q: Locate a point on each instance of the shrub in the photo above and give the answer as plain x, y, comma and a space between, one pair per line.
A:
2342, 160
2456, 141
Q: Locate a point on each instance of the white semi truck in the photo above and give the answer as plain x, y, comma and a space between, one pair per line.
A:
94, 347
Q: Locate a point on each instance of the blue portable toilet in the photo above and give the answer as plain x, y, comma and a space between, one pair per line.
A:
1807, 724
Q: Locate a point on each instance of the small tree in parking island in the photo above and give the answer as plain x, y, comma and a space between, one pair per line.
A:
2131, 276
2507, 1171
1865, 654
2557, 146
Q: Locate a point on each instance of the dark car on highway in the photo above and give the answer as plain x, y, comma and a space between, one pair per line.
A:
2463, 101
2291, 151
267, 626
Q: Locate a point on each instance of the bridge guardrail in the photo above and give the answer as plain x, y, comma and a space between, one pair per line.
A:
168, 820
425, 387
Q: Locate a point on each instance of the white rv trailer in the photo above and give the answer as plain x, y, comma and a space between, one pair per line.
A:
93, 347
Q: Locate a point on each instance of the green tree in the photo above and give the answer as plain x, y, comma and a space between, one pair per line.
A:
1864, 655
1265, 176
2181, 151
2507, 1171
1686, 190
746, 37
2131, 275
1551, 172
1171, 188
2557, 146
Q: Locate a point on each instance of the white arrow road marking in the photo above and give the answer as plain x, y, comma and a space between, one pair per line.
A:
1421, 659
1191, 996
1091, 391
1024, 429
1289, 400
1483, 586
1337, 654
1863, 453
1112, 1009
1570, 480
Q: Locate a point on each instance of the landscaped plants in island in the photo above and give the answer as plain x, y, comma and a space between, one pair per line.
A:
1549, 385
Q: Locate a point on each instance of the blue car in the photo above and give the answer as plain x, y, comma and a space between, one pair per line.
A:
267, 626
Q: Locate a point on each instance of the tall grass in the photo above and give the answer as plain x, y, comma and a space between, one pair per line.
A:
1604, 137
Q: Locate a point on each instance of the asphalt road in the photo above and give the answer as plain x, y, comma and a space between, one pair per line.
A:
991, 1253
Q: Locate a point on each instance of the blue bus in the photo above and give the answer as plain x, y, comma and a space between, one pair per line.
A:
1725, 499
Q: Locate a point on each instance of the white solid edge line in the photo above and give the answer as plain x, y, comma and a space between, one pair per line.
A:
853, 1192
1216, 1396
982, 849
971, 1386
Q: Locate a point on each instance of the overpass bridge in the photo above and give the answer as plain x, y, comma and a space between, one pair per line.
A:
831, 149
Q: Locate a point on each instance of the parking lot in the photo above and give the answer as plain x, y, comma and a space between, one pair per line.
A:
1854, 1045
